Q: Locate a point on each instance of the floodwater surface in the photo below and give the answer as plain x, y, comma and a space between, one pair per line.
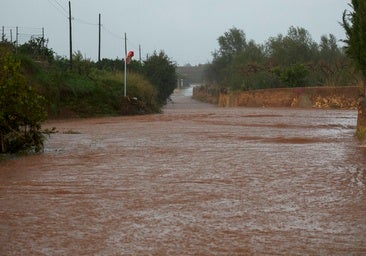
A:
195, 180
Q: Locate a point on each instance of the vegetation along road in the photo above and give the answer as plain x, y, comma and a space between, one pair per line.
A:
195, 180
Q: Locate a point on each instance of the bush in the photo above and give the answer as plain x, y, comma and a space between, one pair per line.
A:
37, 49
160, 71
21, 110
293, 76
101, 93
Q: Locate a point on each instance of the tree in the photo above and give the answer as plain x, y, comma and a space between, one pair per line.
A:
21, 110
161, 72
283, 61
246, 68
332, 65
329, 50
231, 44
354, 24
294, 48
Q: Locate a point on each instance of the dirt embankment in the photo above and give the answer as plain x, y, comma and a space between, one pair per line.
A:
304, 97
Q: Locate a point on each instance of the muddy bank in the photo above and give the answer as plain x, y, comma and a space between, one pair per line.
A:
195, 180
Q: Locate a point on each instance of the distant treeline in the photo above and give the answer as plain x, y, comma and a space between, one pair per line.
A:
192, 74
292, 60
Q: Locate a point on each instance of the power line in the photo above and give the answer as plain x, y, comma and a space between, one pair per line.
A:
27, 34
62, 11
85, 22
62, 7
27, 28
65, 13
21, 34
112, 33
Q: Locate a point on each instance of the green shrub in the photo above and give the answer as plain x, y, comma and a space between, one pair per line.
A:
21, 110
161, 72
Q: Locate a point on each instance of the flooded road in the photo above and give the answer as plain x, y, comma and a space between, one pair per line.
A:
195, 180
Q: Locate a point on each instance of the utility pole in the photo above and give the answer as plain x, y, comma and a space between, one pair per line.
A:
100, 36
16, 36
140, 52
11, 35
43, 40
3, 35
125, 76
70, 30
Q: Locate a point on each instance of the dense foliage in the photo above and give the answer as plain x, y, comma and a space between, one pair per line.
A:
33, 82
292, 60
160, 71
22, 109
354, 24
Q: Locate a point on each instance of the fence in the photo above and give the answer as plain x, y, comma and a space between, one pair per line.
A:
20, 35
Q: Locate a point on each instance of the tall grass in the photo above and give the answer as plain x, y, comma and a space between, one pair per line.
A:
97, 93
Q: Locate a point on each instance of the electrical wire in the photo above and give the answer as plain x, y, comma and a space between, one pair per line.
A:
63, 8
85, 22
57, 6
28, 34
63, 11
112, 33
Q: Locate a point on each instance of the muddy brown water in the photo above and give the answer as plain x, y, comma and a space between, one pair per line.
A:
195, 180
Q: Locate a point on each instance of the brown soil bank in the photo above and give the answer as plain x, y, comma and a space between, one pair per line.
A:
304, 97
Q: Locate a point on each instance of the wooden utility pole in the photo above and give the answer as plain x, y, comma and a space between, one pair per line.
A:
3, 35
43, 40
100, 36
70, 30
125, 76
140, 53
16, 36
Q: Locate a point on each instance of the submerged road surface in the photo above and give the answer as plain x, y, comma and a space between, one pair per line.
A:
195, 180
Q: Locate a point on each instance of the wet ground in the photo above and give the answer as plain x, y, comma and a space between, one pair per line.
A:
195, 180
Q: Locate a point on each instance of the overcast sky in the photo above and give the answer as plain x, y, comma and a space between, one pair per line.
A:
187, 30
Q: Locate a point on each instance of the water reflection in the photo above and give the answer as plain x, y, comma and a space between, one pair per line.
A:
186, 91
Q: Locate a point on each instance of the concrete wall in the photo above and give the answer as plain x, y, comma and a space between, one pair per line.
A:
304, 97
